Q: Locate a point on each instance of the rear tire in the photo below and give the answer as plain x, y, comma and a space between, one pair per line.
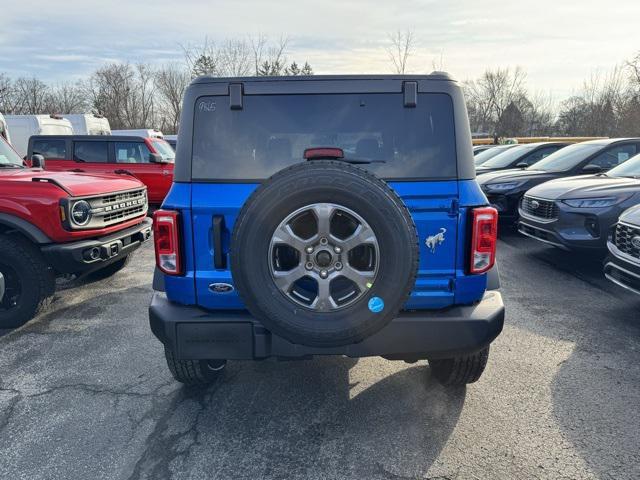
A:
28, 281
111, 269
462, 370
194, 372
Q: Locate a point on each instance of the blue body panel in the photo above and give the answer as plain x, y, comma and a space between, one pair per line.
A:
435, 206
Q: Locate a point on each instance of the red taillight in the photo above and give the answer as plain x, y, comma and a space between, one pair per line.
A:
484, 238
166, 238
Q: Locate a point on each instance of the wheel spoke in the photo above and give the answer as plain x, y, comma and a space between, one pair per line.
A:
285, 235
360, 277
363, 234
284, 280
323, 213
323, 301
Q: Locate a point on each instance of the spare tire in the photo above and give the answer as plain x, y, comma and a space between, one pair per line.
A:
324, 253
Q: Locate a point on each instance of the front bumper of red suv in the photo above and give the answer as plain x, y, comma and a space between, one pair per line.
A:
85, 256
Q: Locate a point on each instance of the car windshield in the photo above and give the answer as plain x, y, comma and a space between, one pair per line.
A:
483, 157
505, 159
566, 158
164, 149
8, 157
272, 132
630, 168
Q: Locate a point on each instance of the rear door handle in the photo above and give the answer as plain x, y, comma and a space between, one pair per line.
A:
219, 260
76, 170
123, 172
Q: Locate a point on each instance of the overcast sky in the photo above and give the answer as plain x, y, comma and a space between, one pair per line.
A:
558, 42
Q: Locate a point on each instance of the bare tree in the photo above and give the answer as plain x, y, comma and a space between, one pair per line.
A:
32, 95
124, 94
633, 66
600, 108
67, 97
171, 83
8, 96
401, 47
490, 95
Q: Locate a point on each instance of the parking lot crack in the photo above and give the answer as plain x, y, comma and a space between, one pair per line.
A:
8, 412
163, 448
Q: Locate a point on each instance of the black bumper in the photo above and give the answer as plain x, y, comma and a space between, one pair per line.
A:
86, 256
621, 271
194, 333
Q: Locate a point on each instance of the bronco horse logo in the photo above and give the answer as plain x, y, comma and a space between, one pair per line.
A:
434, 240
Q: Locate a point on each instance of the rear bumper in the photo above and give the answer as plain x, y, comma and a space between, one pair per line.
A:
194, 333
622, 270
86, 256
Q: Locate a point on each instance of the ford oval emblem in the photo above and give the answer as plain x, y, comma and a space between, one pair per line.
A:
635, 241
221, 288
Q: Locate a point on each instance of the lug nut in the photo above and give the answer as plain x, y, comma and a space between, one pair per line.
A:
338, 266
309, 266
323, 241
337, 249
323, 274
309, 249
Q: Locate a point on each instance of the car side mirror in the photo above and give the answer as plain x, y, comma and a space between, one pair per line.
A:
156, 158
591, 168
37, 161
522, 165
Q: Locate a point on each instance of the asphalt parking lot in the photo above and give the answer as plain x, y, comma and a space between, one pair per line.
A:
85, 394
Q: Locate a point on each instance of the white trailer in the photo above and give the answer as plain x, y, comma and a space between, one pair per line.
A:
140, 132
23, 126
89, 124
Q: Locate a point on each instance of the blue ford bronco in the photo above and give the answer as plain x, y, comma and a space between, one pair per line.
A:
325, 215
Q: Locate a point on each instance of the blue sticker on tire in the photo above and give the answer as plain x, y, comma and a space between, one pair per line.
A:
376, 304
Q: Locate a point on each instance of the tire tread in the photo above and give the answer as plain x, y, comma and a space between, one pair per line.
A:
460, 370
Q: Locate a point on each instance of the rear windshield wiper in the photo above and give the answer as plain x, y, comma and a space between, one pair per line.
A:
360, 161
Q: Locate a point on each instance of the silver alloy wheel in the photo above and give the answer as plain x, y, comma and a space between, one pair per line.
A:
339, 255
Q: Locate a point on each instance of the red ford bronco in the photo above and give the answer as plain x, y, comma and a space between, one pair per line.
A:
55, 223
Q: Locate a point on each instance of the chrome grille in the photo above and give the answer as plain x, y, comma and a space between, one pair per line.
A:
123, 214
623, 236
537, 207
113, 208
120, 197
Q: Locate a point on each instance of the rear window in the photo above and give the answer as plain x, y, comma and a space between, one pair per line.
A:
271, 132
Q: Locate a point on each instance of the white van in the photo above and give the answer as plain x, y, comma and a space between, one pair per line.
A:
89, 124
4, 129
23, 126
140, 132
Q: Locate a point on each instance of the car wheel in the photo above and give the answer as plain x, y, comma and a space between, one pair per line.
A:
194, 372
27, 283
461, 370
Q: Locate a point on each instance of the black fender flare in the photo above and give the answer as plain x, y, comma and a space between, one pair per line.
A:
26, 228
